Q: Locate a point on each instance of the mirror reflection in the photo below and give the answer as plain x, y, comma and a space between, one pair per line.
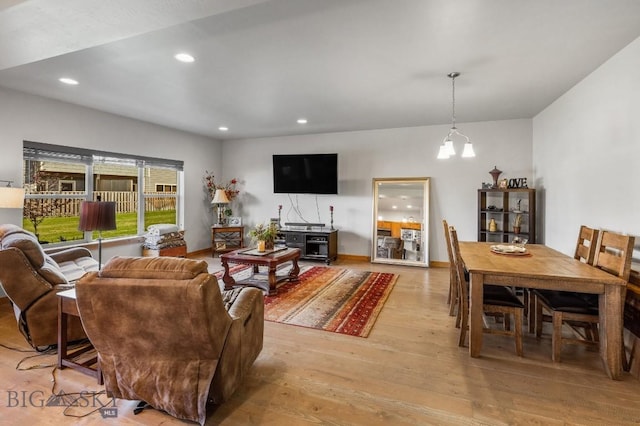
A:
400, 218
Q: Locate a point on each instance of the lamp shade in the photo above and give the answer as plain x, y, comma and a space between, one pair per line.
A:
220, 197
97, 216
11, 198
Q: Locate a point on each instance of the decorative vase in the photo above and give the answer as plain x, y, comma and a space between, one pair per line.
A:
262, 245
269, 244
495, 173
516, 229
493, 227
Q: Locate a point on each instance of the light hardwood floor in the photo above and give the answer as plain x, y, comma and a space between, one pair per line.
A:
409, 371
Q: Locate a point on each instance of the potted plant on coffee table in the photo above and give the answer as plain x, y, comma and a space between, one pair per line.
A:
264, 235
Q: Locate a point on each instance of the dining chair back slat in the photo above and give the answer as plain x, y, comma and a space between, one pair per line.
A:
586, 245
613, 254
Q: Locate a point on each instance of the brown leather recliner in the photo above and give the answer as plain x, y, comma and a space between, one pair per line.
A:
31, 278
165, 333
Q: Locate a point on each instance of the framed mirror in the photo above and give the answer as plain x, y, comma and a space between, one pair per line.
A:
401, 221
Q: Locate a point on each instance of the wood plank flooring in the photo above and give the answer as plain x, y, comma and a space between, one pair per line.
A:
409, 371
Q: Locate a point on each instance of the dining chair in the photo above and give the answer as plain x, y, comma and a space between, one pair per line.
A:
585, 252
452, 298
613, 255
497, 299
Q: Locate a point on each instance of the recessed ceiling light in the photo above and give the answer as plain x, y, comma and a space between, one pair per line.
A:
409, 206
69, 81
302, 121
223, 128
184, 57
394, 207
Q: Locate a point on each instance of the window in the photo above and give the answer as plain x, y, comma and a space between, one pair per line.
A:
67, 186
57, 179
166, 188
160, 205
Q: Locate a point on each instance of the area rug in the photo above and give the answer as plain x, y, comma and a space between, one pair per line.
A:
333, 299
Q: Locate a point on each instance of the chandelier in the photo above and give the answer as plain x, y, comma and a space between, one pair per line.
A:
446, 149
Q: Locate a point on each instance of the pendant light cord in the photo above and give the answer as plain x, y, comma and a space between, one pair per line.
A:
453, 101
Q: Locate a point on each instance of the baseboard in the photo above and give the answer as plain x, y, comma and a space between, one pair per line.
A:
199, 252
352, 257
355, 257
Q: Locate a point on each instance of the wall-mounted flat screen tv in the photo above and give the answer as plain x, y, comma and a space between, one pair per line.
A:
305, 174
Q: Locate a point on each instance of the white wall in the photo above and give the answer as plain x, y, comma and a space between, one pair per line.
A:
363, 155
27, 117
586, 153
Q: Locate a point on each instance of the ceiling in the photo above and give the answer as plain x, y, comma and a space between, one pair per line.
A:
342, 64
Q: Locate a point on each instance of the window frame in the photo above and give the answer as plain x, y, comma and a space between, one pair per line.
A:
37, 151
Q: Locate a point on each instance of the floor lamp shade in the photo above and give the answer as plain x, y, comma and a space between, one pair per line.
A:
97, 216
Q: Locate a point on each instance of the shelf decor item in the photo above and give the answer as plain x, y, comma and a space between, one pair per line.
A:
495, 173
517, 222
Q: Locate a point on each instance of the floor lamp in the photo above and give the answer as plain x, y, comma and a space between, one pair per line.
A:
97, 216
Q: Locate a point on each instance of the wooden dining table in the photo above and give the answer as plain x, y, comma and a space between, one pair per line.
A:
545, 268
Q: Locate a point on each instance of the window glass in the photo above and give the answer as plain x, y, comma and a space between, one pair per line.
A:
51, 209
57, 179
160, 195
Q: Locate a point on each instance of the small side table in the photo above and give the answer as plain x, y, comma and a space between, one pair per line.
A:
67, 305
226, 238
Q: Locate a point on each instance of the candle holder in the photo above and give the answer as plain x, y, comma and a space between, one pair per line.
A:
331, 211
279, 215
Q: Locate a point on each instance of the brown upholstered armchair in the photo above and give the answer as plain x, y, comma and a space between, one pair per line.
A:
31, 278
165, 333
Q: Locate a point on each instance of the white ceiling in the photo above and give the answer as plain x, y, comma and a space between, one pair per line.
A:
342, 64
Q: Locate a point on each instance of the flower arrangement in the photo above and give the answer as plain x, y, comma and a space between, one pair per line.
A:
211, 186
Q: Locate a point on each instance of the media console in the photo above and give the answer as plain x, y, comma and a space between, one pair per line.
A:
320, 244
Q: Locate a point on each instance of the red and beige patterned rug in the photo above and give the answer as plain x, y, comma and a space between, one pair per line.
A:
329, 298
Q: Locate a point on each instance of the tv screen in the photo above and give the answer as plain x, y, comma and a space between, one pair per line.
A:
305, 174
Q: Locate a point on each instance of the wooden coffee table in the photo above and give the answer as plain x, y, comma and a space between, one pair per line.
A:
270, 259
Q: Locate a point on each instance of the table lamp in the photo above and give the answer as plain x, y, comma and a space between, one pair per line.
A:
97, 216
220, 199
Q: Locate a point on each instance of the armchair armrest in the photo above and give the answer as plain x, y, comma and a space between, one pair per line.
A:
70, 254
244, 304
